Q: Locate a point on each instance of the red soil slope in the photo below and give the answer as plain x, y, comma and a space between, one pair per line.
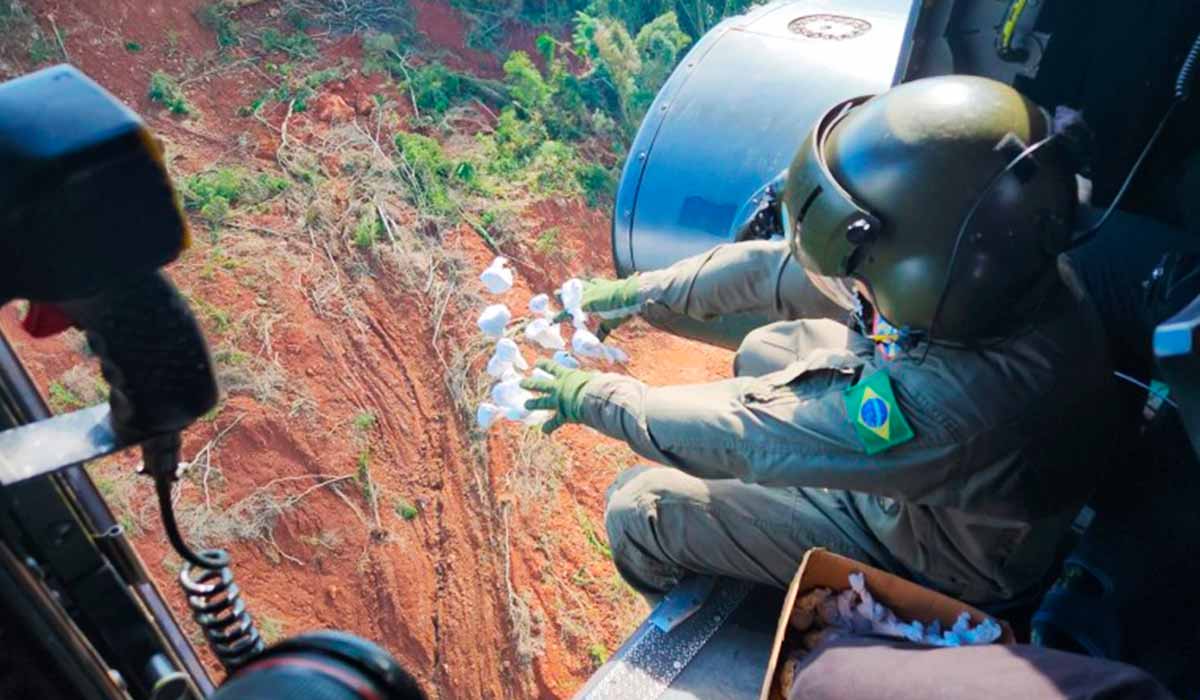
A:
499, 587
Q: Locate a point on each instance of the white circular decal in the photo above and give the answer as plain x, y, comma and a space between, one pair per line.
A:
829, 27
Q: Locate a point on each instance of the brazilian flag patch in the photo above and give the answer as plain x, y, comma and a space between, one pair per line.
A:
872, 408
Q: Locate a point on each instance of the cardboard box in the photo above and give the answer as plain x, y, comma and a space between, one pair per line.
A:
824, 569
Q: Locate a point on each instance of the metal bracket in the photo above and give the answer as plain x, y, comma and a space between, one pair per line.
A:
682, 602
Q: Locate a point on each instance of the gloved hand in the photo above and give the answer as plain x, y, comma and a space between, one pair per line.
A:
563, 394
614, 301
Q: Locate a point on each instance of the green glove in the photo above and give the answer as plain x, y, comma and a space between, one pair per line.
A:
563, 394
614, 301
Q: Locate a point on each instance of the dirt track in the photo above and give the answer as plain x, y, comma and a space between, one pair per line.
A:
499, 586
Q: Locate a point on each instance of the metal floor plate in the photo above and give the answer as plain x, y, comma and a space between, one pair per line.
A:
720, 651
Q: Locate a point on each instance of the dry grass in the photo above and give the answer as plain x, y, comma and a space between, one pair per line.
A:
240, 373
254, 517
539, 463
392, 16
78, 387
129, 495
524, 621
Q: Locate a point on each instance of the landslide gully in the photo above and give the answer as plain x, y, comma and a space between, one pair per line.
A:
499, 587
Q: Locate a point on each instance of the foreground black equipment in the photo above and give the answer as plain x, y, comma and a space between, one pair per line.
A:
87, 218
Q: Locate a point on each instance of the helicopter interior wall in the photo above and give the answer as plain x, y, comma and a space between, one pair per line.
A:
1117, 62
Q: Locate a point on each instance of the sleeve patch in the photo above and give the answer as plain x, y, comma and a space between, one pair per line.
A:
872, 408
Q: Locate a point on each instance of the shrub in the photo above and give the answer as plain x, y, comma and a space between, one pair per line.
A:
436, 88
297, 44
165, 90
426, 170
223, 188
695, 16
548, 242
78, 387
599, 184
292, 88
363, 474
526, 86
554, 166
379, 51
271, 629
405, 509
216, 17
598, 654
514, 142
215, 212
364, 421
366, 232
659, 44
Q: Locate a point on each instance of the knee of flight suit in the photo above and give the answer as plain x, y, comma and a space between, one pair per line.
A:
629, 519
624, 503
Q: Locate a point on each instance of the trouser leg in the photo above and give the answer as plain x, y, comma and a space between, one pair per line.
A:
663, 524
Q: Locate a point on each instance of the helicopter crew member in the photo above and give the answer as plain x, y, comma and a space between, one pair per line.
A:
949, 433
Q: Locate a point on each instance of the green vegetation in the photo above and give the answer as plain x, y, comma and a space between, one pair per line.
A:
589, 533
548, 117
165, 90
294, 88
78, 387
597, 653
363, 474
598, 183
548, 242
24, 39
63, 399
215, 193
432, 87
133, 47
241, 373
217, 259
695, 16
297, 45
120, 489
367, 232
217, 17
43, 49
172, 41
220, 322
364, 421
271, 629
425, 169
379, 52
405, 510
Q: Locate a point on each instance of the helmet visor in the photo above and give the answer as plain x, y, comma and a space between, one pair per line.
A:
835, 289
822, 215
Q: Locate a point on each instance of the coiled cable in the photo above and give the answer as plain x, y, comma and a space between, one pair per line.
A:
206, 579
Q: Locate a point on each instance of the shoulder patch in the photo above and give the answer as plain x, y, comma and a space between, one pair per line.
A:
872, 409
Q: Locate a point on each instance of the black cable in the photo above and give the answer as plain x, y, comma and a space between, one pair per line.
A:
209, 559
962, 230
1183, 90
1091, 232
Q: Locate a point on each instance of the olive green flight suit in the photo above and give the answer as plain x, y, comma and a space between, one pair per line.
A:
761, 467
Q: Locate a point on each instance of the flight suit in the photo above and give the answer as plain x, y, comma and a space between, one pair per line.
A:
1007, 439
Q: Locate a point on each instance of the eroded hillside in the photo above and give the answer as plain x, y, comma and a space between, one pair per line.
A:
348, 169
